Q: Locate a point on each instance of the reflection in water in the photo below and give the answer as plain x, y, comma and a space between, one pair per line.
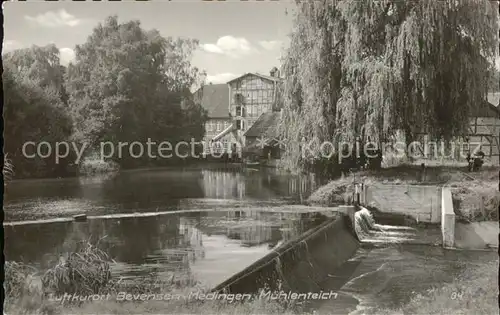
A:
153, 190
193, 245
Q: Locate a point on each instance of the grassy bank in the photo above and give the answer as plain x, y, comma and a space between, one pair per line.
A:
475, 195
86, 272
474, 292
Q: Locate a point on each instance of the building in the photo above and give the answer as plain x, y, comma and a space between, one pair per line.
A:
249, 96
214, 98
262, 137
482, 133
484, 128
234, 107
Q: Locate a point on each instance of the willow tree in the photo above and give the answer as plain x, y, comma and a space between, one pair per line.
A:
368, 69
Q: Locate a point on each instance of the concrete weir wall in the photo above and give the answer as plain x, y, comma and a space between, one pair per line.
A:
301, 264
424, 203
447, 218
420, 202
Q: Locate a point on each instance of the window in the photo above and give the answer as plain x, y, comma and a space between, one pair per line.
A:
238, 98
240, 125
238, 110
209, 126
218, 126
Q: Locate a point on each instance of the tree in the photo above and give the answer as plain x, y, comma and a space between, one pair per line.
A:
41, 64
127, 84
359, 69
33, 112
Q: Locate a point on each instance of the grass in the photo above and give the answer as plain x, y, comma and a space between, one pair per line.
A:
86, 272
336, 192
474, 292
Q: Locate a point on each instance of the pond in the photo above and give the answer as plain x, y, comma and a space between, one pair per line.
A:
154, 190
183, 248
218, 225
215, 218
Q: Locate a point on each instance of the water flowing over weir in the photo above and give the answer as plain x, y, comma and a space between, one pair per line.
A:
300, 265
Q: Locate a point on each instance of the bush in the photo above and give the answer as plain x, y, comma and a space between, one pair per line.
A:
94, 167
476, 201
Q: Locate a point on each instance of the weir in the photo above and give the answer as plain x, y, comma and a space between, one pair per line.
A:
300, 265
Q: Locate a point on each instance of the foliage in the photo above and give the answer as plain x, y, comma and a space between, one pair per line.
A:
368, 69
128, 84
494, 80
97, 166
17, 277
476, 201
33, 111
41, 64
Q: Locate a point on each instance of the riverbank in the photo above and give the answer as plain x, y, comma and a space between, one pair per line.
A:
474, 291
475, 195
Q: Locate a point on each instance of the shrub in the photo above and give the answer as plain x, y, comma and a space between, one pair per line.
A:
93, 167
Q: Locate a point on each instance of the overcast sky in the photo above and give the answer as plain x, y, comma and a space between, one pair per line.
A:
235, 38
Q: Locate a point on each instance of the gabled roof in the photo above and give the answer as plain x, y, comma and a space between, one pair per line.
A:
214, 98
265, 127
265, 77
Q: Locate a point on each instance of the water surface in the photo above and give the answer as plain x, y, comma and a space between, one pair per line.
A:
154, 190
203, 247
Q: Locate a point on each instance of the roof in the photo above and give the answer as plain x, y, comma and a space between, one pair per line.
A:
494, 98
265, 127
265, 77
488, 108
214, 99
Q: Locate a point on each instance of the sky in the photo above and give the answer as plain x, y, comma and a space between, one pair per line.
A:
235, 37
